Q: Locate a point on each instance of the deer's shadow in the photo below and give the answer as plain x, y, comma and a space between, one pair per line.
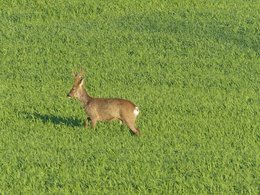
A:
50, 118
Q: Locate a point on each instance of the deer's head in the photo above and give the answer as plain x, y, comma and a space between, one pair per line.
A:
77, 87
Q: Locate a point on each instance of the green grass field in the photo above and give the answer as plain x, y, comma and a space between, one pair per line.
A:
192, 67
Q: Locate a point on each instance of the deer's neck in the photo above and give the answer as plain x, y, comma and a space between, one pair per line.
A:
84, 97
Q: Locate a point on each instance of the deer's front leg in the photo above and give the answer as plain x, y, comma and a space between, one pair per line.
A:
86, 122
93, 122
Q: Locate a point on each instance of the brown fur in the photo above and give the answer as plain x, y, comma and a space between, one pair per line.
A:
104, 109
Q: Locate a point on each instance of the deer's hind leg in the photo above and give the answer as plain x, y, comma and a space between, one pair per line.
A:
131, 125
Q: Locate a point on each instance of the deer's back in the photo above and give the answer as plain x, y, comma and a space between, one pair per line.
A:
110, 108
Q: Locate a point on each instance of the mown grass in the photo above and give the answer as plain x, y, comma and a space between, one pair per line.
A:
191, 66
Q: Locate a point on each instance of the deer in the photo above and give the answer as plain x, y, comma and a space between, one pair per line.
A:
103, 109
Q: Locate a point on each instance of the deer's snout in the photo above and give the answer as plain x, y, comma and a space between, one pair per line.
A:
68, 95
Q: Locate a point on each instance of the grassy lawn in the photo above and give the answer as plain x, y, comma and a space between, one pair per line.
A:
192, 67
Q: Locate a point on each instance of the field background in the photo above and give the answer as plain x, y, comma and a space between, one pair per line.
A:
192, 67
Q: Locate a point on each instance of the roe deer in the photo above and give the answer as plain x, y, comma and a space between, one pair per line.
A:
104, 109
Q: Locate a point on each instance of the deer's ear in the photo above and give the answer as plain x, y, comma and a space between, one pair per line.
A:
81, 82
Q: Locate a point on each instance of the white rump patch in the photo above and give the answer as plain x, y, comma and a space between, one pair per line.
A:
136, 111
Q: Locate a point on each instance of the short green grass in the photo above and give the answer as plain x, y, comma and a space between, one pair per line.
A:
192, 67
